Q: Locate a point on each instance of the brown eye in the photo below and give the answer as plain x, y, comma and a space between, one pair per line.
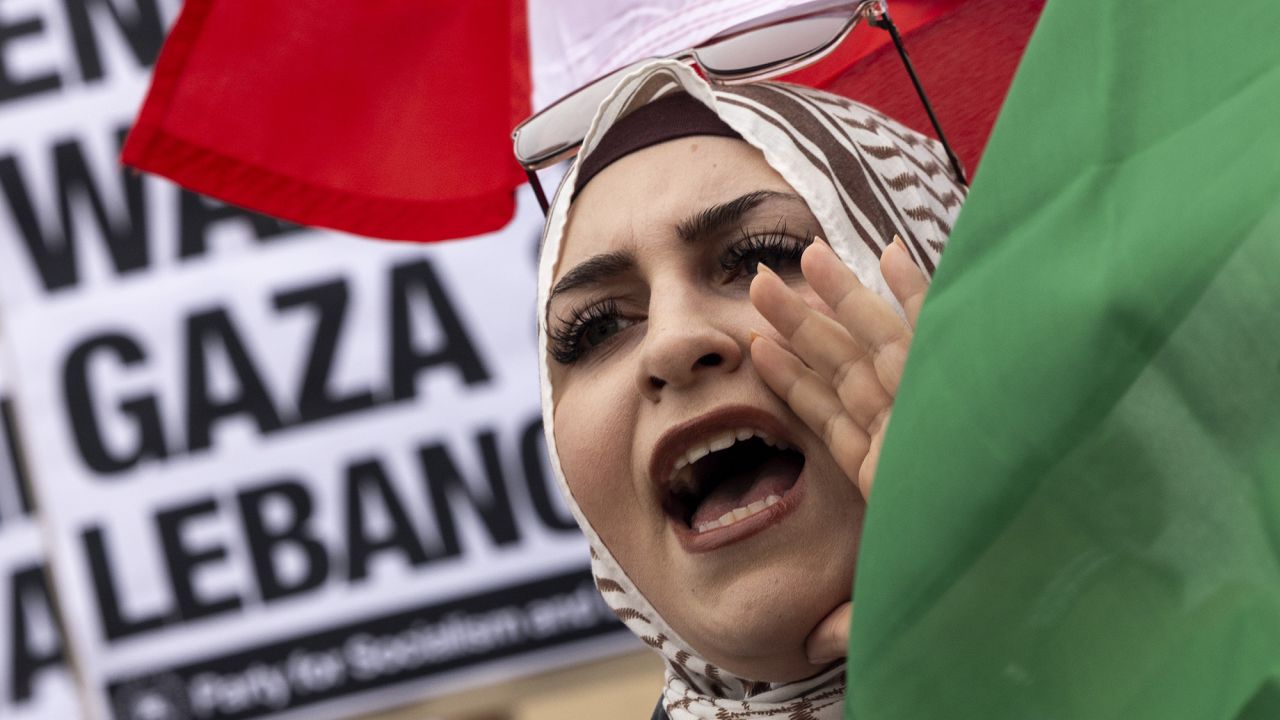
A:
781, 252
597, 332
585, 330
774, 258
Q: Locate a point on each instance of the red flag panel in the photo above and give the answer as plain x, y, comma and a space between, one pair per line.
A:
390, 119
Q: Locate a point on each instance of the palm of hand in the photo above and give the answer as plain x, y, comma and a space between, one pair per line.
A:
838, 367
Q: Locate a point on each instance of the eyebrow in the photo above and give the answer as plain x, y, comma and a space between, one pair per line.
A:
702, 224
594, 270
715, 219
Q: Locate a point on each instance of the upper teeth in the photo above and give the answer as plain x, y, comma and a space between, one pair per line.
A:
721, 441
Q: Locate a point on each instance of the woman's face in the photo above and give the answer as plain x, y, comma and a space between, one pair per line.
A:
743, 549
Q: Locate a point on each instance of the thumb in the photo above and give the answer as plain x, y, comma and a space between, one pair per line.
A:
830, 639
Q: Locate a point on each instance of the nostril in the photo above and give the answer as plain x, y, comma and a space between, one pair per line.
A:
710, 360
656, 383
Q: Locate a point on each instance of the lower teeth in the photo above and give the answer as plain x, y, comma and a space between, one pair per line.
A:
738, 514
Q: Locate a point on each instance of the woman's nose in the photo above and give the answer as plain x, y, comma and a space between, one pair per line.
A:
683, 346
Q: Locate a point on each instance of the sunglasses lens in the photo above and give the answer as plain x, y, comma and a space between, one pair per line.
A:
756, 51
782, 40
564, 124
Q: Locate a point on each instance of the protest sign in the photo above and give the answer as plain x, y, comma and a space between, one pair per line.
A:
283, 472
34, 681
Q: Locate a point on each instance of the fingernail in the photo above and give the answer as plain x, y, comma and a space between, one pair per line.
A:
751, 337
897, 240
822, 246
762, 268
822, 658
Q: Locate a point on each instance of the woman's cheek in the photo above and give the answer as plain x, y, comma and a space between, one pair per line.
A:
593, 439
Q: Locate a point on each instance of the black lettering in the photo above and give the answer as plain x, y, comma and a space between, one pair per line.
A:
17, 462
198, 214
142, 28
114, 624
444, 483
183, 560
54, 255
11, 87
316, 399
410, 280
142, 411
29, 602
264, 541
203, 411
369, 478
533, 457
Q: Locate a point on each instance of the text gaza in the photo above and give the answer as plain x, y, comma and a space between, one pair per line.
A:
211, 336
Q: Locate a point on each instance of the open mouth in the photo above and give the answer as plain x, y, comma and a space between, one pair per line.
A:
729, 478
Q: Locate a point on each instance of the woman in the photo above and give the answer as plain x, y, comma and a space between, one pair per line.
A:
716, 382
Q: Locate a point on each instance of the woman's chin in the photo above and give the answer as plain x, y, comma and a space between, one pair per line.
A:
762, 635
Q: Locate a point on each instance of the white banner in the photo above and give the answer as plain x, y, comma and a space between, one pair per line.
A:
34, 681
284, 473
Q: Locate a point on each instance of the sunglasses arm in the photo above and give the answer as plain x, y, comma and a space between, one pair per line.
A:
883, 21
537, 191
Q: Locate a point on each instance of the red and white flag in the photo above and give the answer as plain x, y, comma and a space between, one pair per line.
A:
392, 119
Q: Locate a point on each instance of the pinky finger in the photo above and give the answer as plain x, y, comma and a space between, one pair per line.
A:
905, 279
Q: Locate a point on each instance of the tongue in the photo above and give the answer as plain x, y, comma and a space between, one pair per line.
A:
774, 476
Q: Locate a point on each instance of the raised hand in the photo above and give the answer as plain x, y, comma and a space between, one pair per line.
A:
838, 368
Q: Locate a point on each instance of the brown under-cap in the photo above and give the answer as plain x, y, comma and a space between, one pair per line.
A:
670, 117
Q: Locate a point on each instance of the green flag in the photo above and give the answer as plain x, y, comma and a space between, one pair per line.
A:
1077, 509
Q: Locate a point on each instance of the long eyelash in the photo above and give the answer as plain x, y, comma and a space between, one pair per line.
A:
565, 342
776, 241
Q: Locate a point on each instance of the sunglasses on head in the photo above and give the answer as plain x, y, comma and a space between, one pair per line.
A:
759, 49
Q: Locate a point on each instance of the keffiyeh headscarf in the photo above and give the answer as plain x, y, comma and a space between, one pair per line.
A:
866, 178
